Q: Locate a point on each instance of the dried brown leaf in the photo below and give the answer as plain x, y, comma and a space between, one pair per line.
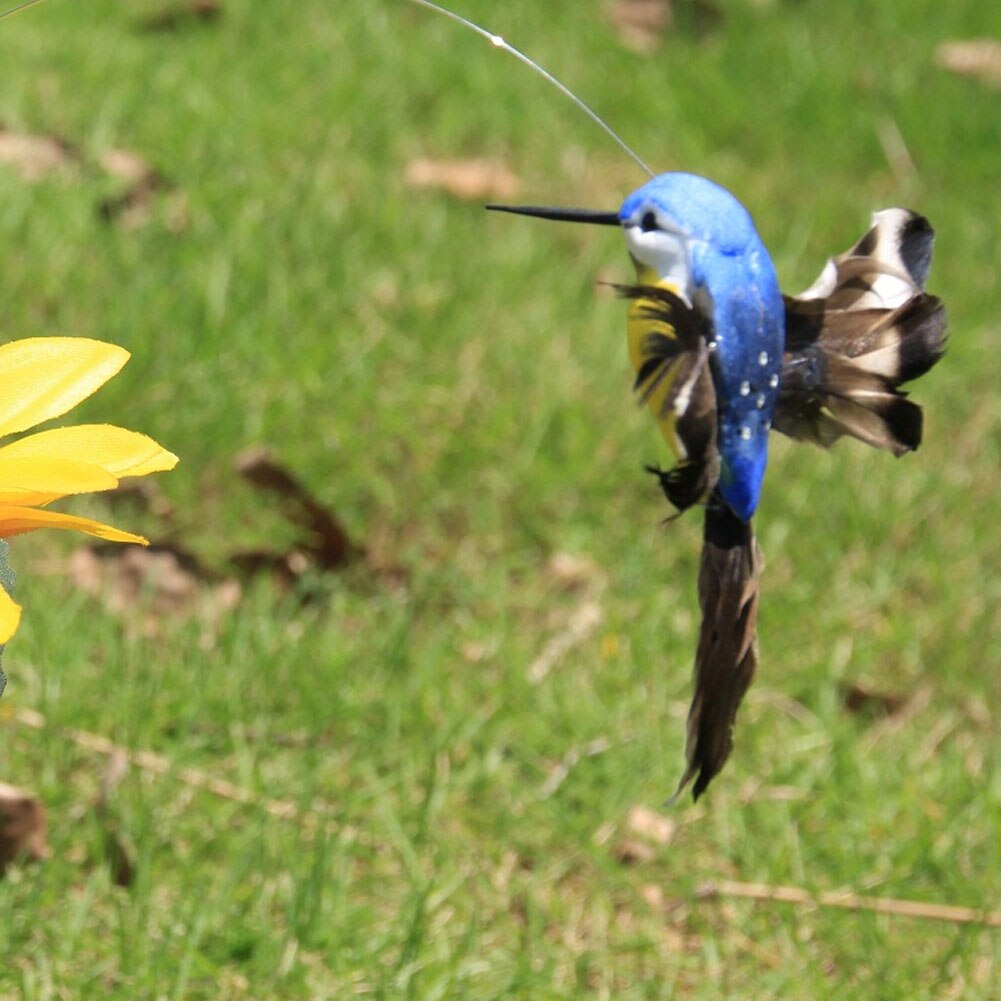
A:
633, 851
326, 542
471, 180
34, 156
168, 578
859, 700
641, 24
114, 771
653, 896
651, 826
570, 572
127, 166
142, 495
163, 581
181, 15
979, 58
132, 207
286, 568
475, 651
23, 827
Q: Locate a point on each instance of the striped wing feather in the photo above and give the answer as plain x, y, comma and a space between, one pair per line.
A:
673, 377
864, 328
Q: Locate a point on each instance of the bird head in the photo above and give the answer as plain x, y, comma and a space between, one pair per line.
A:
674, 226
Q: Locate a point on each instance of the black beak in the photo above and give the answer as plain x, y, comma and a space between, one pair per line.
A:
561, 215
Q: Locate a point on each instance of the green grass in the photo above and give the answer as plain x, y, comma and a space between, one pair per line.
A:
453, 386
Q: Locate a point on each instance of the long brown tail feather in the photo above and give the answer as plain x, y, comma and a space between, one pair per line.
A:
726, 659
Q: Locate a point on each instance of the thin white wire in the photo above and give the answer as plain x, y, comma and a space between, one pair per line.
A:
500, 43
20, 6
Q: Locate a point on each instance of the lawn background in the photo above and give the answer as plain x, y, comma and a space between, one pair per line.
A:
454, 386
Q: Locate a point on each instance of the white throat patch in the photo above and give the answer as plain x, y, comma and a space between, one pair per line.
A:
665, 252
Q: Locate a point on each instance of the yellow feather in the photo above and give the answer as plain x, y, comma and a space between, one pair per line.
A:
640, 324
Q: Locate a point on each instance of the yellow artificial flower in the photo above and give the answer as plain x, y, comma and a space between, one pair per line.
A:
41, 378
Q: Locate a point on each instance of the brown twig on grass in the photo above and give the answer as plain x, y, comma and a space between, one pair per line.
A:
158, 764
847, 900
320, 812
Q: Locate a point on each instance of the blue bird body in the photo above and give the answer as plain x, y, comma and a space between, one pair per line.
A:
721, 356
692, 237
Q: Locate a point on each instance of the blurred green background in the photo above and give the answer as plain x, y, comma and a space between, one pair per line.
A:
484, 707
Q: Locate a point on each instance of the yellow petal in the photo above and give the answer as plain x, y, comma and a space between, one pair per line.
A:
15, 519
24, 480
43, 377
120, 452
10, 616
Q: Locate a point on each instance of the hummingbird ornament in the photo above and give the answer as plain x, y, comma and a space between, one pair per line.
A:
722, 358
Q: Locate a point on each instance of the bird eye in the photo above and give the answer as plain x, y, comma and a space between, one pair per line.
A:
649, 222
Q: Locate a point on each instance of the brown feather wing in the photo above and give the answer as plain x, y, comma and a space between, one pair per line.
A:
673, 374
864, 328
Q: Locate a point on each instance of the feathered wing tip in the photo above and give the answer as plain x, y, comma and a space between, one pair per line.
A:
674, 378
864, 328
726, 659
